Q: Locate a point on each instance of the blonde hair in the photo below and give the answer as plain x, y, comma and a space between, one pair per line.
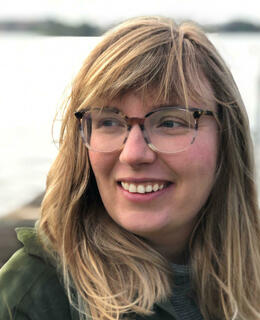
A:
109, 271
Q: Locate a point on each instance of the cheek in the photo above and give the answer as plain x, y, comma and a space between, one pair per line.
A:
196, 167
205, 150
96, 162
101, 164
204, 159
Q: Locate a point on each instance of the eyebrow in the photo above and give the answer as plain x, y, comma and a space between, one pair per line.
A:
110, 108
155, 107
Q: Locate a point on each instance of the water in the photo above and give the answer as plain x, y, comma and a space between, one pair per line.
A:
34, 74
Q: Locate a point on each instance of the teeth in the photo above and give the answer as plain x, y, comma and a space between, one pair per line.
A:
155, 187
149, 188
140, 188
132, 188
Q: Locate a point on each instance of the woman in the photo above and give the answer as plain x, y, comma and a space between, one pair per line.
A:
158, 217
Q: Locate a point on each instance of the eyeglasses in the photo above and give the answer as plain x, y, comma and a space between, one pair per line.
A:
168, 129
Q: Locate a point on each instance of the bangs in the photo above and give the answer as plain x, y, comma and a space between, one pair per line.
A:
154, 57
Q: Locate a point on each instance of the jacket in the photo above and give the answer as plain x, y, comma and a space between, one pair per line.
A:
30, 288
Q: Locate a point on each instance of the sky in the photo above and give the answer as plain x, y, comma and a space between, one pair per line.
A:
105, 12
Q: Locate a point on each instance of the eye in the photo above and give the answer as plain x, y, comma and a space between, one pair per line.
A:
171, 123
108, 122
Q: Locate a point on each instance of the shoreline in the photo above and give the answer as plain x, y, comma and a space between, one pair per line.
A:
24, 216
29, 211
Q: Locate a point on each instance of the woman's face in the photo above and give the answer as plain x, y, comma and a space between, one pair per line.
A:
165, 217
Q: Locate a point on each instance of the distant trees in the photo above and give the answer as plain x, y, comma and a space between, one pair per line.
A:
58, 28
234, 26
51, 28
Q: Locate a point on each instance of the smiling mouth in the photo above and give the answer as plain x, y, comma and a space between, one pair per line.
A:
142, 188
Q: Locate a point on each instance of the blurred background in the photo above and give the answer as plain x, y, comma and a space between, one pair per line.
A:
42, 46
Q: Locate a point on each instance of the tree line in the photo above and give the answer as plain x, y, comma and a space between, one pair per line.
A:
57, 28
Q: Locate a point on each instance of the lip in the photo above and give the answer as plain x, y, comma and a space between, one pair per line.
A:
144, 197
144, 180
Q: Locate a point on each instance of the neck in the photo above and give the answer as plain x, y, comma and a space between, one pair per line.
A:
172, 243
177, 255
174, 248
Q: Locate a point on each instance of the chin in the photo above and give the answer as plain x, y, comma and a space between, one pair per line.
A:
144, 228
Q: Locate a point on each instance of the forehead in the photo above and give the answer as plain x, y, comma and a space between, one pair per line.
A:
146, 101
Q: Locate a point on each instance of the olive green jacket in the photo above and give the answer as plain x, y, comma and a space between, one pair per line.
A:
30, 288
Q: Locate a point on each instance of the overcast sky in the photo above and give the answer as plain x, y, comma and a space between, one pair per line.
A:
109, 11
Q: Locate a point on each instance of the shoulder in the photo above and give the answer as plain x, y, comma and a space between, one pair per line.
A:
29, 284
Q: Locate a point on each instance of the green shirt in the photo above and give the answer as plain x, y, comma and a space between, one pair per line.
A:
30, 288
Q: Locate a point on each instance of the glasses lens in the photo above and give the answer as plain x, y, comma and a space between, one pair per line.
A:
171, 130
103, 130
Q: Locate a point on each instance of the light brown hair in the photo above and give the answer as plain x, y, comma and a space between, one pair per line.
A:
109, 271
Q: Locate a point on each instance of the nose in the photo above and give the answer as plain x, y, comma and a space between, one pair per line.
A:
135, 150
